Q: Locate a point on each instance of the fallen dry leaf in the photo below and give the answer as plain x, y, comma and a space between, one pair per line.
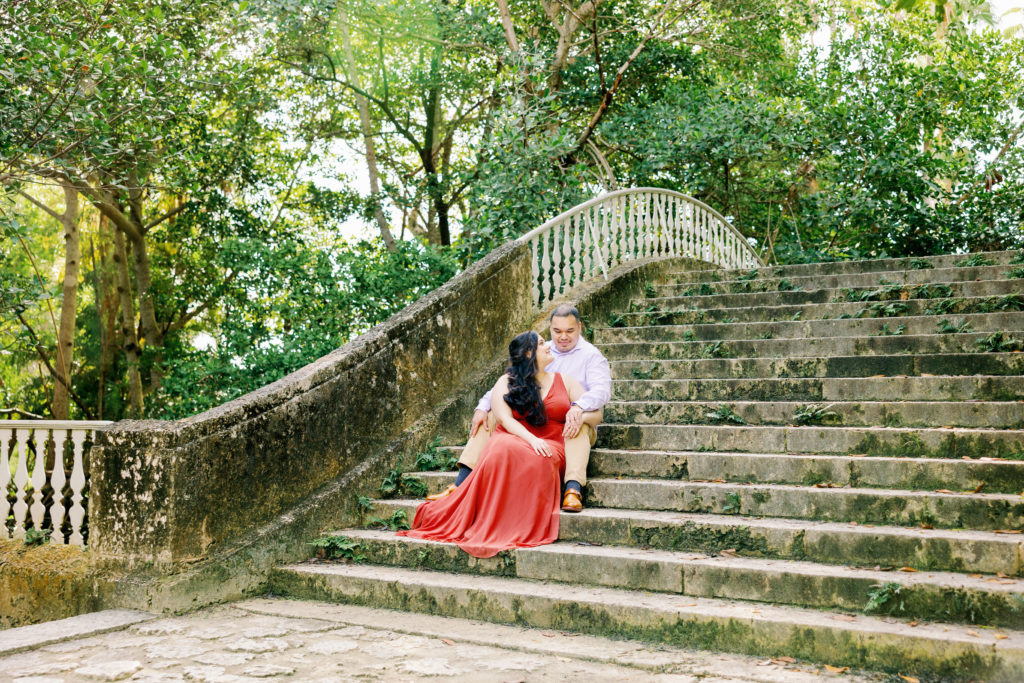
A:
925, 525
1000, 636
925, 374
943, 491
728, 552
447, 641
1002, 575
973, 633
874, 376
836, 669
1007, 531
858, 455
907, 569
912, 624
975, 576
844, 617
784, 660
548, 634
966, 457
979, 487
910, 679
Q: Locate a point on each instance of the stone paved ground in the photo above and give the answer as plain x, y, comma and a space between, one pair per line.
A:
269, 638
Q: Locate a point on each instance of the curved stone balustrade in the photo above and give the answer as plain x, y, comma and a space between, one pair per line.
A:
626, 225
59, 472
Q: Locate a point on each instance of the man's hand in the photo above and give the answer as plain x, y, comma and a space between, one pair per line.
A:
479, 418
573, 422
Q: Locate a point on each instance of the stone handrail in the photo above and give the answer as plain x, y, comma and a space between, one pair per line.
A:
63, 469
626, 225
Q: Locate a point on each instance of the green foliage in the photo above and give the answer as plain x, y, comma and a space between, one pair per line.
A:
650, 291
732, 504
943, 307
931, 291
921, 264
999, 342
616, 320
689, 336
885, 331
330, 547
787, 286
364, 504
976, 260
34, 536
959, 327
653, 372
396, 522
884, 597
714, 350
1014, 273
433, 459
882, 309
724, 415
816, 414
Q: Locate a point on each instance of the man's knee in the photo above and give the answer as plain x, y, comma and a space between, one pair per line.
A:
474, 447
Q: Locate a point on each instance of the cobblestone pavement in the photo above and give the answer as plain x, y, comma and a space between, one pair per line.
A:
270, 638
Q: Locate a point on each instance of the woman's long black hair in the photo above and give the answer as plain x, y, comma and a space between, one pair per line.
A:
523, 390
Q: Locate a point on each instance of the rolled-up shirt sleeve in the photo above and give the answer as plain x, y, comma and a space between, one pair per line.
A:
598, 383
485, 403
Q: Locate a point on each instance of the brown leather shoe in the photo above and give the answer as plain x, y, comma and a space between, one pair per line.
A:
572, 502
447, 492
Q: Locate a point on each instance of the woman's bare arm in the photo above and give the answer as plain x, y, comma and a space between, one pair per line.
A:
504, 416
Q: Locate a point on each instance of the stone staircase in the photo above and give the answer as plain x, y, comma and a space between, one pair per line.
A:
820, 461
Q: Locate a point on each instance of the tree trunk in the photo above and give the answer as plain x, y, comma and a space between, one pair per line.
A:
131, 339
368, 141
105, 292
429, 150
69, 305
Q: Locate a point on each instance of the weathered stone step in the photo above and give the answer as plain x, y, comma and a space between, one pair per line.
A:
941, 308
703, 298
958, 550
814, 440
764, 280
800, 348
1011, 322
988, 474
936, 596
992, 511
976, 414
818, 389
706, 623
880, 266
836, 366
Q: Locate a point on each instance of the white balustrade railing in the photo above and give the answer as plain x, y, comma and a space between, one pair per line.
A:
43, 467
626, 225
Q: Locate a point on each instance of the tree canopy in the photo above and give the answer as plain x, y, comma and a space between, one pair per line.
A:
200, 196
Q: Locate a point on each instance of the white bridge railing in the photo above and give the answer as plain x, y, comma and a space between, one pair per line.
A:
626, 225
43, 467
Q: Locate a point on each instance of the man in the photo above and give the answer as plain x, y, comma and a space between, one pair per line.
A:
579, 359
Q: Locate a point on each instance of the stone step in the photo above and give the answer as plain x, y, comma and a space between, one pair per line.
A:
835, 366
797, 329
765, 280
886, 345
827, 389
693, 315
899, 442
706, 623
704, 297
975, 414
881, 266
959, 550
927, 474
949, 510
935, 596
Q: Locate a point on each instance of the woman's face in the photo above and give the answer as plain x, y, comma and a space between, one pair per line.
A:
544, 355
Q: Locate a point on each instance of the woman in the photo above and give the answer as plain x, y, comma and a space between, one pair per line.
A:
511, 499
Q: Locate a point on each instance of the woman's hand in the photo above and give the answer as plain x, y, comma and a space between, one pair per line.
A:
540, 446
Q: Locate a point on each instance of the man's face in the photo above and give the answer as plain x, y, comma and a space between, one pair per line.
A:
565, 332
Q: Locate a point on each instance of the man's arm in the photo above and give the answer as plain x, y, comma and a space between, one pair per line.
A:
598, 384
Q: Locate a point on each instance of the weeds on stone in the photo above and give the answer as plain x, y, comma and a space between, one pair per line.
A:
616, 320
432, 459
732, 503
921, 264
815, 414
689, 336
1019, 258
942, 307
650, 291
886, 332
767, 335
786, 285
883, 293
396, 522
1009, 302
704, 290
884, 596
976, 260
881, 309
931, 291
1014, 273
653, 372
337, 548
397, 481
714, 350
724, 415
35, 536
727, 321
749, 276
364, 504
999, 342
796, 316
959, 327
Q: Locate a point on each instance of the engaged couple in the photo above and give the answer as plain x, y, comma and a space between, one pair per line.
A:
530, 433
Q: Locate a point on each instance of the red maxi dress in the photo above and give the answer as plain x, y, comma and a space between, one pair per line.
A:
511, 499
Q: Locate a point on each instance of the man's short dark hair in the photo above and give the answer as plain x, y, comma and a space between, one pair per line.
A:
564, 311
